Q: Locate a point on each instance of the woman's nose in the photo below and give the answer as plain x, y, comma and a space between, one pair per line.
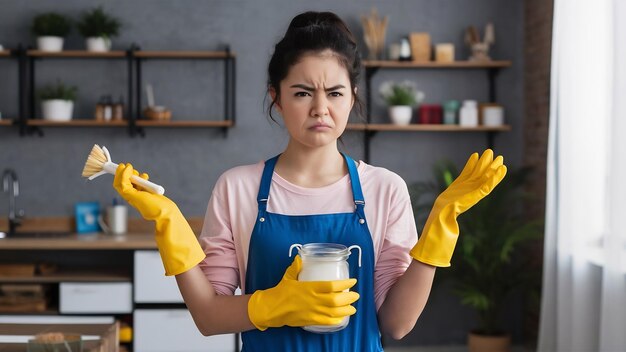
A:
320, 106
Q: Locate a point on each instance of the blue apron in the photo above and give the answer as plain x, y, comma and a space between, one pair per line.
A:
268, 259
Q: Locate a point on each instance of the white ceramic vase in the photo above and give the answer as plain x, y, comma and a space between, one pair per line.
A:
50, 43
57, 109
98, 44
401, 114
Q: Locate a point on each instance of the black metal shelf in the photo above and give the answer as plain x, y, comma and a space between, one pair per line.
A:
134, 58
371, 67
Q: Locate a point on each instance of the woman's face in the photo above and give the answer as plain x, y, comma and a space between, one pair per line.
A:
315, 100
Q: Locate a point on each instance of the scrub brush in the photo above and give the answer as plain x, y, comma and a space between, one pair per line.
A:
99, 163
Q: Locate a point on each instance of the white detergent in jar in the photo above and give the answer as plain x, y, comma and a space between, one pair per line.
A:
325, 262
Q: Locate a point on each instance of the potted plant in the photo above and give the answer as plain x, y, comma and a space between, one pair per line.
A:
488, 264
57, 101
401, 98
50, 29
98, 28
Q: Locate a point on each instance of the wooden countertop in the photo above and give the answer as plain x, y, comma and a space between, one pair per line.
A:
95, 241
140, 235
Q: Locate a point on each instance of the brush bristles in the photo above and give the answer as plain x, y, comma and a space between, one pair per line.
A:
95, 160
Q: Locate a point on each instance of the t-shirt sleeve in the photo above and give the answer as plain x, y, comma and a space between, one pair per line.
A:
220, 265
400, 236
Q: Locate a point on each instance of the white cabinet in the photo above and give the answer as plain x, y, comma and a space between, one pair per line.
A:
151, 284
95, 297
173, 330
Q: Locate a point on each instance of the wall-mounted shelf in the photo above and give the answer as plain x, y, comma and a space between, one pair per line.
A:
134, 58
432, 64
424, 128
183, 54
228, 58
373, 66
186, 123
77, 54
76, 123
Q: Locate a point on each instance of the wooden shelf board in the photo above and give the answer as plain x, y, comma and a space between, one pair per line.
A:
77, 123
94, 241
163, 54
5, 53
49, 311
185, 123
76, 53
6, 122
433, 64
424, 128
86, 276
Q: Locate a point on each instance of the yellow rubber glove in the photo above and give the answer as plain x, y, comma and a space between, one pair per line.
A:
301, 303
478, 178
178, 246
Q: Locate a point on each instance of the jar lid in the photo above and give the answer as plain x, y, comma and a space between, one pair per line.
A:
331, 251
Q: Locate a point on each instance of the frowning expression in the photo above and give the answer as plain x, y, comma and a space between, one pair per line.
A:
315, 99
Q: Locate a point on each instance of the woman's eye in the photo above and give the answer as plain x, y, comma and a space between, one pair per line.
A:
302, 94
336, 94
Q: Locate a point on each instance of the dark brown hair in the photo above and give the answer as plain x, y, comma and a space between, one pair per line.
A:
314, 32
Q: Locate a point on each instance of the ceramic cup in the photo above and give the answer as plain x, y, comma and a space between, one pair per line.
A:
116, 220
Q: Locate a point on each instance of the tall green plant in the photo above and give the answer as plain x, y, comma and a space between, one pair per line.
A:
488, 263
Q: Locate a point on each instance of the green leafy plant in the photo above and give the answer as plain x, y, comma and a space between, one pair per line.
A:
402, 93
51, 24
97, 23
58, 91
488, 263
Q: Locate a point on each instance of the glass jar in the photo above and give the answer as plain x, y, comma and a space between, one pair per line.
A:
324, 262
468, 116
450, 109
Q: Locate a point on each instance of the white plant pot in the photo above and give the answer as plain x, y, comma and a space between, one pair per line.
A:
57, 110
401, 114
98, 44
50, 43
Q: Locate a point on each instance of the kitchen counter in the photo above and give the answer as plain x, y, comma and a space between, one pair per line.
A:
98, 241
140, 235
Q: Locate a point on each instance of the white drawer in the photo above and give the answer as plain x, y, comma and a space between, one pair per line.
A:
151, 284
98, 297
173, 330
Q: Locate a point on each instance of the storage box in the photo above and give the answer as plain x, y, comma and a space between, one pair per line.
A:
97, 297
99, 334
151, 284
181, 334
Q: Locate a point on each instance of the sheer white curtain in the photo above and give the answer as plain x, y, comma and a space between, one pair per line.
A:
584, 284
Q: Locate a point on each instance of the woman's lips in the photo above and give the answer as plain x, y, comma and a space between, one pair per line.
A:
319, 127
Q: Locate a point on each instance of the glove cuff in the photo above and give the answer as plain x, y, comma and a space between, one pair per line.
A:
436, 244
178, 245
254, 310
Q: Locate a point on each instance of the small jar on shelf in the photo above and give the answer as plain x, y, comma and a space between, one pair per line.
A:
468, 115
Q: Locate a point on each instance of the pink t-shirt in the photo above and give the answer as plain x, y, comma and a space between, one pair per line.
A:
232, 212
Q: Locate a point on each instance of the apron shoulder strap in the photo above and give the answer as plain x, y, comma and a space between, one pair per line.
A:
355, 182
266, 181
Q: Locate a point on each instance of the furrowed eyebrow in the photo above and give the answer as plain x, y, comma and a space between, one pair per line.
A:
311, 89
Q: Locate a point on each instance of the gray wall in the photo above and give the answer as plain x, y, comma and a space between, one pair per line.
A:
189, 161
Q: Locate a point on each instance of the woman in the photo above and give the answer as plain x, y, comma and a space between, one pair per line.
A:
310, 193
